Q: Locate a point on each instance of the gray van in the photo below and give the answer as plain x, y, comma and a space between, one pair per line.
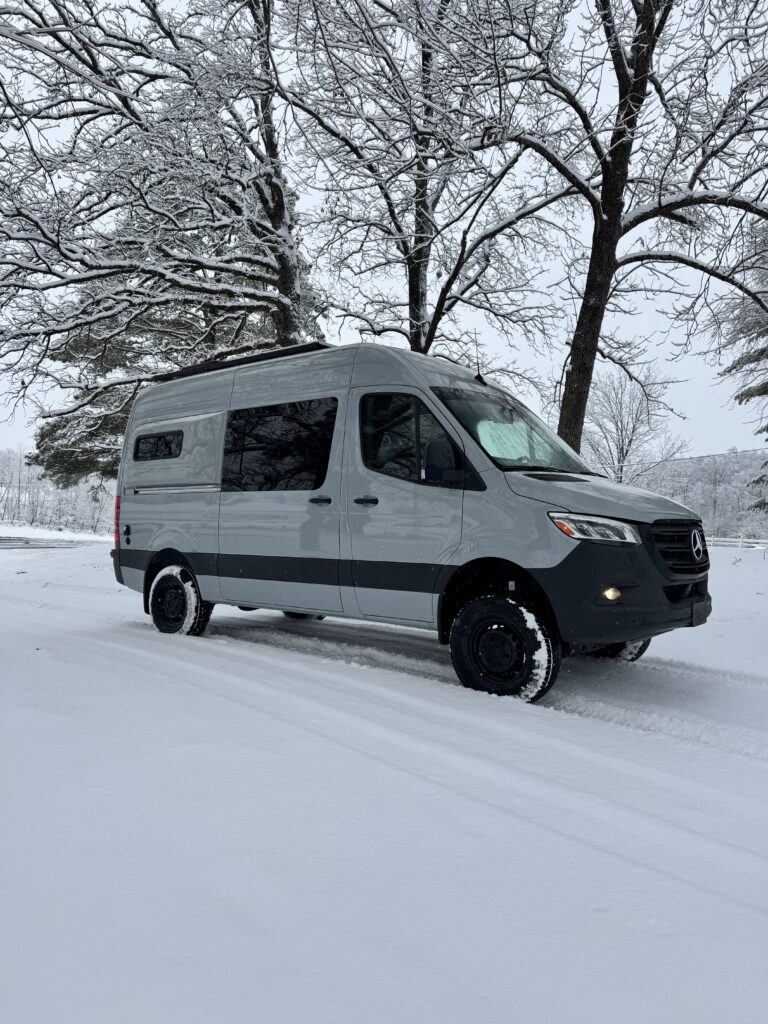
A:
373, 483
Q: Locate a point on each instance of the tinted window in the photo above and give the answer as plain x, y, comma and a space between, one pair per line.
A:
401, 437
279, 447
158, 446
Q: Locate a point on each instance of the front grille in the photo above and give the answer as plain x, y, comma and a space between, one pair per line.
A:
673, 539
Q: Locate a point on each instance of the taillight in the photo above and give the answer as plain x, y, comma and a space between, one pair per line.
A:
117, 522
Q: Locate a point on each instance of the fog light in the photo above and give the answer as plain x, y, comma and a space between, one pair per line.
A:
612, 593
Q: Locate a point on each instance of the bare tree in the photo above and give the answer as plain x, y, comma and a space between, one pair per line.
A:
427, 219
145, 220
27, 499
626, 433
655, 114
740, 326
720, 488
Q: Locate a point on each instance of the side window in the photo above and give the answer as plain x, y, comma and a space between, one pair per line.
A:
158, 446
400, 437
279, 447
388, 432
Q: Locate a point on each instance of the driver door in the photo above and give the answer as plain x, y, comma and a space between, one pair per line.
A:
403, 527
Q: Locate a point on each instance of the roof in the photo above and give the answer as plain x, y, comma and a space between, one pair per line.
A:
211, 365
440, 369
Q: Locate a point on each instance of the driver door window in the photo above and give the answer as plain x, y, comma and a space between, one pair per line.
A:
401, 438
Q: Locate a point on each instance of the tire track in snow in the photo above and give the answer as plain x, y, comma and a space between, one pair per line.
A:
438, 748
382, 648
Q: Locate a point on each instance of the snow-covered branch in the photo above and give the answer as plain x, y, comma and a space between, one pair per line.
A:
145, 219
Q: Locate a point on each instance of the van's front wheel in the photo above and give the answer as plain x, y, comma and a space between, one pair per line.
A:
501, 647
175, 603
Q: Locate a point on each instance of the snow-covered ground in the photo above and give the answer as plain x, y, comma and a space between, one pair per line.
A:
289, 822
34, 534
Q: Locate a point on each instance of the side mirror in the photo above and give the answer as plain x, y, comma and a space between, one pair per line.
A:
442, 463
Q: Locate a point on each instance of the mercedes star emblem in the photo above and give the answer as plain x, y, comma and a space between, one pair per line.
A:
697, 545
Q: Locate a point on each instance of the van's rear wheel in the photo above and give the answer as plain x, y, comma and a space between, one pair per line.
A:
630, 650
303, 615
175, 603
501, 647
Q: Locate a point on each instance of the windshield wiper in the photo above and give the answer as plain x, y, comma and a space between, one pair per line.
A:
550, 469
537, 469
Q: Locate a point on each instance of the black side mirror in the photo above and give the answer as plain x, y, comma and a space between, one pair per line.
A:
442, 463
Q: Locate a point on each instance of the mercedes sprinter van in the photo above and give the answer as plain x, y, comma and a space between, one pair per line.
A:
374, 483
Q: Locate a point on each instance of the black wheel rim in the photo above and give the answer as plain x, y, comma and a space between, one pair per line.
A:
501, 652
170, 604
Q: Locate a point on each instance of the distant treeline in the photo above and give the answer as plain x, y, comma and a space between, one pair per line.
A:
718, 488
26, 499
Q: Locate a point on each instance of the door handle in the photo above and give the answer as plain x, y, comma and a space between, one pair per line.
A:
366, 499
321, 499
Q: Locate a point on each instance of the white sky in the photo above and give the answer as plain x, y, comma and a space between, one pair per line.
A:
713, 422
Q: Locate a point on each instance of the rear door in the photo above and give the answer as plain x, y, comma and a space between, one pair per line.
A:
403, 527
280, 500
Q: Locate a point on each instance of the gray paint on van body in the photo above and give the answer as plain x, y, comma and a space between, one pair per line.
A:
276, 549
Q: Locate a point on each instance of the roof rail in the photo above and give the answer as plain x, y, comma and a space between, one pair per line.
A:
210, 365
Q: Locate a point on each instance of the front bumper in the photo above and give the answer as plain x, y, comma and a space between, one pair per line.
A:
653, 600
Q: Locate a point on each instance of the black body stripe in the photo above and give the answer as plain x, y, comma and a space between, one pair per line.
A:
413, 577
416, 577
201, 564
278, 569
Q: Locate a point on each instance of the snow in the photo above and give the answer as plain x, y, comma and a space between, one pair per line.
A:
35, 533
310, 822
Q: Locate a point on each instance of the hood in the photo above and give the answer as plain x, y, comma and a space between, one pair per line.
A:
597, 496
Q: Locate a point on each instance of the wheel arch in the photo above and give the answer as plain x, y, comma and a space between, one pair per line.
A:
161, 560
489, 575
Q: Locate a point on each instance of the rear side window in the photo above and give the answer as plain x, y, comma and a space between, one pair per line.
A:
158, 446
401, 438
279, 447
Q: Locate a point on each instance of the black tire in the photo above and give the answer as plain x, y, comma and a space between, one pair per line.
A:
501, 647
629, 650
175, 603
303, 615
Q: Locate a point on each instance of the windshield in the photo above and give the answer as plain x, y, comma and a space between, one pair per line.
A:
509, 433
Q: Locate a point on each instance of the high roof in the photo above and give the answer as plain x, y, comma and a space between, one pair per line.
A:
211, 365
373, 351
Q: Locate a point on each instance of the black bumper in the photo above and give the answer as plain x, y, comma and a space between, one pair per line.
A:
115, 556
653, 600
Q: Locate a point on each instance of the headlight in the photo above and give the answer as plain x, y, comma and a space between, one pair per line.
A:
595, 528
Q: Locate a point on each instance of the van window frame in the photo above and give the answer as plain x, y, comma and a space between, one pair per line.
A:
158, 434
471, 480
279, 405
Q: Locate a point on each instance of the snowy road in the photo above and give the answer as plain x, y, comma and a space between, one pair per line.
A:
310, 822
25, 542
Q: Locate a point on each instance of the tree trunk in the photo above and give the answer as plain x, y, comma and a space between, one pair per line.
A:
417, 300
586, 337
633, 87
287, 317
418, 263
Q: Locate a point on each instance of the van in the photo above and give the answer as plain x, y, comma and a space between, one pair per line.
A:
373, 483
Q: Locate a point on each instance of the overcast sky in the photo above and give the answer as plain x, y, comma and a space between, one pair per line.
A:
713, 422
